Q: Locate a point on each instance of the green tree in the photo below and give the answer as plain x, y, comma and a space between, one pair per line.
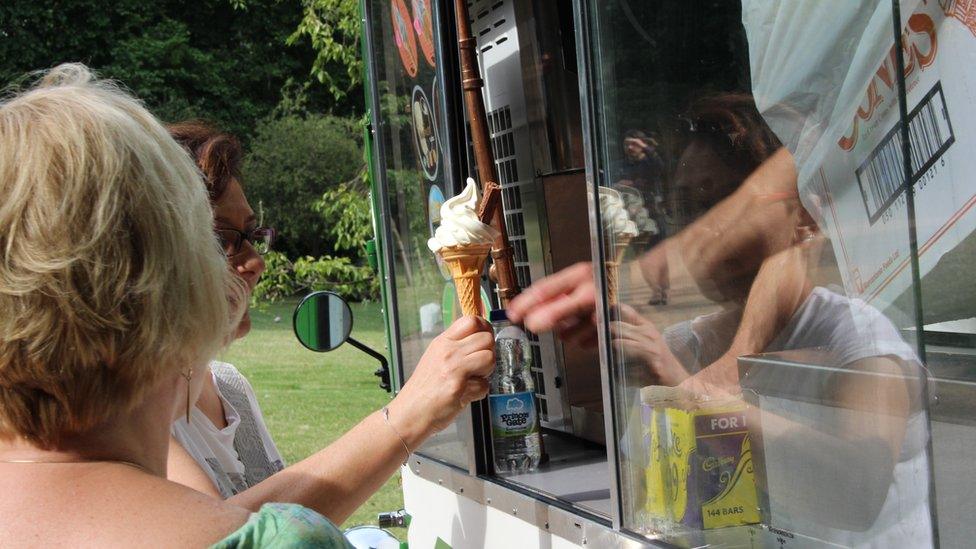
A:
284, 278
334, 29
292, 162
348, 218
200, 58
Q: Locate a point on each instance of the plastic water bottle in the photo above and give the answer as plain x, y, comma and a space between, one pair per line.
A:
515, 436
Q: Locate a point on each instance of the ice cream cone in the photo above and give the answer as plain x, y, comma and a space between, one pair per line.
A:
616, 251
466, 264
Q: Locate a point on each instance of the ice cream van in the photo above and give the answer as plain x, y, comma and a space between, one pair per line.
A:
779, 351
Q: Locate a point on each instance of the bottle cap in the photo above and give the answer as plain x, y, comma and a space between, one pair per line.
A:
498, 315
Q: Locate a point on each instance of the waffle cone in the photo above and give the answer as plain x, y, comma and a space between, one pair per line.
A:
612, 266
620, 245
466, 264
612, 273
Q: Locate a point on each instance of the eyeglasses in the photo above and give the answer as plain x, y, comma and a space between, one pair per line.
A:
231, 240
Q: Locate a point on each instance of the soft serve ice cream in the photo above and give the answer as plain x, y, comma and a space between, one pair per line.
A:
462, 241
613, 213
460, 226
634, 204
618, 230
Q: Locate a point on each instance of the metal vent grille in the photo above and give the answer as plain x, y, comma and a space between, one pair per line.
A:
489, 18
493, 24
503, 145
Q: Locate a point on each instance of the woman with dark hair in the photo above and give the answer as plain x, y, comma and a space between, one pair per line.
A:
224, 447
225, 433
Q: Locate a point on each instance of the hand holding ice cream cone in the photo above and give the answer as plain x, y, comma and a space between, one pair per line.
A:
463, 242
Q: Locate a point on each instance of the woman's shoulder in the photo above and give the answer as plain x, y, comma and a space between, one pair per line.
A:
285, 525
157, 511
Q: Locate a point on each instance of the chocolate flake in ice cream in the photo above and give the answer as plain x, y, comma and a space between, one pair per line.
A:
460, 225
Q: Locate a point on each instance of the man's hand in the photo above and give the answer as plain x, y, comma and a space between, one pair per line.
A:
642, 343
718, 381
451, 374
564, 302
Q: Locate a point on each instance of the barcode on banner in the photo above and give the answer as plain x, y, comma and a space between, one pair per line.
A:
881, 177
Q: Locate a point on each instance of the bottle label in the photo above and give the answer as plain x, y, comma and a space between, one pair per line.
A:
513, 414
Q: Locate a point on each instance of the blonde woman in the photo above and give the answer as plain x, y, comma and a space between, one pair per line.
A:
113, 297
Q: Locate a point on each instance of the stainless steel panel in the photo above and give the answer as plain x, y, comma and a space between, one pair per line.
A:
568, 524
551, 84
566, 207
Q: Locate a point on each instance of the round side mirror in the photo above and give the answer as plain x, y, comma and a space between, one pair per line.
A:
322, 321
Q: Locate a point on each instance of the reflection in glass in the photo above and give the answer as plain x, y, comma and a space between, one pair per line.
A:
414, 162
764, 388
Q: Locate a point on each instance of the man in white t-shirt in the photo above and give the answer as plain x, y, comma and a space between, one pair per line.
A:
843, 428
824, 480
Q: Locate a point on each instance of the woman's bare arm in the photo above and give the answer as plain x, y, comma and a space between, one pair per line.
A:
335, 481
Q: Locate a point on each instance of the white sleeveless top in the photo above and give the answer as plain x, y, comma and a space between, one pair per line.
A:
239, 455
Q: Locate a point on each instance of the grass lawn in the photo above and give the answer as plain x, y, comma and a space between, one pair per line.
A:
311, 399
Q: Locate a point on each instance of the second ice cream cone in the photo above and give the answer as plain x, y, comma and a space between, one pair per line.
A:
466, 264
615, 253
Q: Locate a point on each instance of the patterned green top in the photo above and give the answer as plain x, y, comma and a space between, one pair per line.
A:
285, 525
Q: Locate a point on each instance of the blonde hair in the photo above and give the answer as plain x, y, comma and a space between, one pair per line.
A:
111, 277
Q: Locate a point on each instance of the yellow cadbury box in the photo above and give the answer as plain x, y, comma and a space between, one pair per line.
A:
699, 471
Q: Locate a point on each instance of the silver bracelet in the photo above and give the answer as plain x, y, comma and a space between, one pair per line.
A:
386, 418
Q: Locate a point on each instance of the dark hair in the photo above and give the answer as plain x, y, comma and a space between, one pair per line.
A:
635, 134
217, 154
732, 124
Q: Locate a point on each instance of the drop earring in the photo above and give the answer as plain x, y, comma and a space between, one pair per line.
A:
187, 375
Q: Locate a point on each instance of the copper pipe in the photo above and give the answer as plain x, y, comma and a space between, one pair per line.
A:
491, 206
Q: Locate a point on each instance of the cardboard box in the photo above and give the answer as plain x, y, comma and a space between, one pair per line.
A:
699, 473
833, 99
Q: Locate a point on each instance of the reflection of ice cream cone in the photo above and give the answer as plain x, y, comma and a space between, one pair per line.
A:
466, 264
615, 253
618, 230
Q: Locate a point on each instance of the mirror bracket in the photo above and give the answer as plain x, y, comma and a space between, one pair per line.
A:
314, 324
383, 372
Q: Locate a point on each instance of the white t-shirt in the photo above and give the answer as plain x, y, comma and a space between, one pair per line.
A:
835, 331
239, 455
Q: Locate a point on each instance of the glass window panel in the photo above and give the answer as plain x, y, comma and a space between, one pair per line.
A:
762, 267
941, 136
416, 165
532, 98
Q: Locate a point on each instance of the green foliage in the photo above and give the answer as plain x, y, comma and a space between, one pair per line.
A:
278, 281
338, 274
334, 28
184, 59
347, 214
283, 278
253, 67
161, 63
294, 160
